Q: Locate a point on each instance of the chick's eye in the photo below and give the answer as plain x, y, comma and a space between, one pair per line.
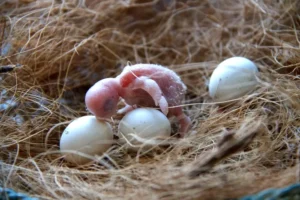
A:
108, 105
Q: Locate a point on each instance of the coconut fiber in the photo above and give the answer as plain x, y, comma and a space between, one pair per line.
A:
53, 51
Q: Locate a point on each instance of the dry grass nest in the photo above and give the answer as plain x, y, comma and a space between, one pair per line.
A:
60, 48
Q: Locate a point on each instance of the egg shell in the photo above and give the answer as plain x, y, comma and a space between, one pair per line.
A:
145, 123
86, 135
233, 78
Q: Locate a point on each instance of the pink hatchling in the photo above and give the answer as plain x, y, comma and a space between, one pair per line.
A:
146, 85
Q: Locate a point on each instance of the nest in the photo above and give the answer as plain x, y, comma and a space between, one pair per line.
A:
58, 49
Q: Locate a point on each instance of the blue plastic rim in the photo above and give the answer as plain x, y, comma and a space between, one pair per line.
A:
9, 194
289, 192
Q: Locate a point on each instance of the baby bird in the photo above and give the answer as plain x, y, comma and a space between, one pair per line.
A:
145, 85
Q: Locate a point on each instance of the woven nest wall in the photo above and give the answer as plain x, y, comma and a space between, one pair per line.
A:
60, 48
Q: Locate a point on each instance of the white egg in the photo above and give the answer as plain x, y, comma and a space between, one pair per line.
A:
233, 78
86, 136
143, 126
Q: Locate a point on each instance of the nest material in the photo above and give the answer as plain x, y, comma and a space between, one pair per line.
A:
60, 48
